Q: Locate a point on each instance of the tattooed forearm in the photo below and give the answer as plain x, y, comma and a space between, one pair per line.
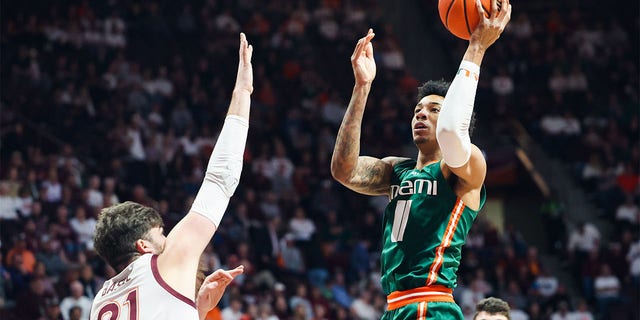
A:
363, 174
347, 148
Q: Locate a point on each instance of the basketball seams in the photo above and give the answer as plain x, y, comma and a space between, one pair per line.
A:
466, 17
460, 17
448, 11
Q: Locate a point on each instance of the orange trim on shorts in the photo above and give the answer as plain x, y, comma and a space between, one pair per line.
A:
399, 299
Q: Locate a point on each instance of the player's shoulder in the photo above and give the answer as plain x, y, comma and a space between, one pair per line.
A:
393, 160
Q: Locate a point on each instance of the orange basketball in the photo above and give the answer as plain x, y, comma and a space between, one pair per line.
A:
461, 17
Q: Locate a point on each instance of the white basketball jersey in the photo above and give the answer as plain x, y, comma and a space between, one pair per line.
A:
139, 293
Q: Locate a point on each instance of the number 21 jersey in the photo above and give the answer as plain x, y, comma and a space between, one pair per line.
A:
140, 293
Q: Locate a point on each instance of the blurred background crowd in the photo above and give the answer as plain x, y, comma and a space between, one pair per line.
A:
108, 101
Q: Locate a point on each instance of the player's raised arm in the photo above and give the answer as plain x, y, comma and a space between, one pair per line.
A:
179, 261
463, 158
362, 174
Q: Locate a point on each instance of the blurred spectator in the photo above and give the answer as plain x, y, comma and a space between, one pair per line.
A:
607, 290
83, 226
32, 302
234, 310
363, 308
300, 300
76, 299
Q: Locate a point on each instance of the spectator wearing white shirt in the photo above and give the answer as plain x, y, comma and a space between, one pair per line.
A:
76, 299
300, 226
362, 307
95, 198
582, 312
633, 257
582, 240
52, 187
233, 311
628, 212
84, 227
546, 284
607, 289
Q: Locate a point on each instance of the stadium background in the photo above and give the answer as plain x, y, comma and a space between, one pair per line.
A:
107, 101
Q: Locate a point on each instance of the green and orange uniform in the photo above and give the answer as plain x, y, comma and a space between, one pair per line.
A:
425, 225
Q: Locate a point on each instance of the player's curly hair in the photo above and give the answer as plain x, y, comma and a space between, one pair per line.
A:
118, 229
440, 88
493, 306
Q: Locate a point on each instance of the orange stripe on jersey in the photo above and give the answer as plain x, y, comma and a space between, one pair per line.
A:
456, 213
399, 299
422, 310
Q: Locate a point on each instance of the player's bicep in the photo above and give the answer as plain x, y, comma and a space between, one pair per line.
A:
178, 263
371, 176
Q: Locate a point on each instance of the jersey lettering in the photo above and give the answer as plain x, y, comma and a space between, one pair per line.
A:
418, 186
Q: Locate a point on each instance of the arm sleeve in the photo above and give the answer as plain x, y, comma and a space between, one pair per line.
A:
452, 130
223, 170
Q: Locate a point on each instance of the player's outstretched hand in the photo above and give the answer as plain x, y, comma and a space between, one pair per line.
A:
244, 80
213, 288
489, 29
364, 66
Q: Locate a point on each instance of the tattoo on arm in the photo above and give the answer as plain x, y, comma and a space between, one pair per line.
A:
371, 176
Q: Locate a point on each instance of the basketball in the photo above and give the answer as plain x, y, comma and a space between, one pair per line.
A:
461, 17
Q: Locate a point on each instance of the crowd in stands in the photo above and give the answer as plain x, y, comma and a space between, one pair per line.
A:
104, 102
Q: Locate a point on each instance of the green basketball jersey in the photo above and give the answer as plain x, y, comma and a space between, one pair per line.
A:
425, 226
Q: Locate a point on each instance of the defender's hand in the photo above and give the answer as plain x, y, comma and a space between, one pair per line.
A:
364, 66
244, 80
213, 288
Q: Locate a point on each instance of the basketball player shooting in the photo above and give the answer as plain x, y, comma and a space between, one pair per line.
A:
434, 198
157, 274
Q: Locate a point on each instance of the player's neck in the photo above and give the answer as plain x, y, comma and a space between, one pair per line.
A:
120, 267
427, 157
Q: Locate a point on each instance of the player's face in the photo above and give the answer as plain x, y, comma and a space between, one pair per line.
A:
425, 117
483, 315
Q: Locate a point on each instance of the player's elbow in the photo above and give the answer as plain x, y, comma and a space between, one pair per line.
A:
455, 147
338, 173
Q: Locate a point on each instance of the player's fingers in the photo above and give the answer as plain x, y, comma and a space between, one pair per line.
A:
237, 271
369, 50
481, 12
506, 8
358, 49
243, 41
248, 54
494, 8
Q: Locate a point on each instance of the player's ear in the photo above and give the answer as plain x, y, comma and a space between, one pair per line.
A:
143, 246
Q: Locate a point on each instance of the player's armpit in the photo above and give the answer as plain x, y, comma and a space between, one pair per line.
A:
185, 243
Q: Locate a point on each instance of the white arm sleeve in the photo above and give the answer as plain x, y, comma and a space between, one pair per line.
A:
223, 170
452, 130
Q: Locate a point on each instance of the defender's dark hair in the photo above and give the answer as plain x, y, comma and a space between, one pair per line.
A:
440, 88
493, 306
118, 229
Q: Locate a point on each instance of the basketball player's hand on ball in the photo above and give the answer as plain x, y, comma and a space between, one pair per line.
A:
490, 28
244, 80
364, 66
213, 288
